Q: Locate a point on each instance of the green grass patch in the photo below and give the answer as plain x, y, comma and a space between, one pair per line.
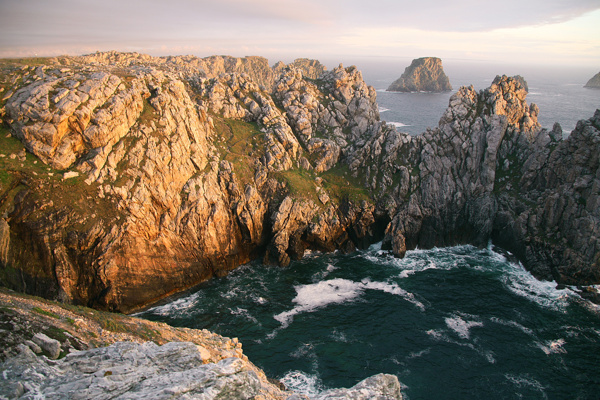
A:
47, 313
341, 185
148, 114
29, 61
300, 183
240, 143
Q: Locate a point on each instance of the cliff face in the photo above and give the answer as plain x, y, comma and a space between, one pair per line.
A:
594, 82
144, 176
422, 75
175, 180
489, 172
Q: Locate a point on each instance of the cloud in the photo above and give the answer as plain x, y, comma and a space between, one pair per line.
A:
465, 15
280, 28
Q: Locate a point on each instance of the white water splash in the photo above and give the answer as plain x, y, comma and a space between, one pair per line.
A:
462, 327
302, 383
336, 291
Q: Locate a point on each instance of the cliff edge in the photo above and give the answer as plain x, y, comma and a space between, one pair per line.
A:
51, 350
126, 178
422, 75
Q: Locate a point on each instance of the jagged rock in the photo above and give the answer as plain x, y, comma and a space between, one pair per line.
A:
51, 346
594, 82
422, 75
166, 202
377, 387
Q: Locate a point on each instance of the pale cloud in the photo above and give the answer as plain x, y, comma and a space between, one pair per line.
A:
533, 29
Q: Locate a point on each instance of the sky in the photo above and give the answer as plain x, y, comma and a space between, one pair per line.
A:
561, 32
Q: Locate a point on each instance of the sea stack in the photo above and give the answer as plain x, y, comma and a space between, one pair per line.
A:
424, 74
594, 82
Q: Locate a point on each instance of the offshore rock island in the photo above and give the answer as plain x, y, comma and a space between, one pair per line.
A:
145, 176
594, 82
424, 74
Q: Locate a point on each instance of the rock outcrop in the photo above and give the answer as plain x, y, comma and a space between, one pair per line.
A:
422, 75
594, 82
489, 172
159, 173
172, 177
176, 363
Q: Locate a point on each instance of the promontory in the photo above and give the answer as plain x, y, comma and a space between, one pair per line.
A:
424, 74
125, 178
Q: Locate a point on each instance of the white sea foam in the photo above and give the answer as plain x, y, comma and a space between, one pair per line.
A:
242, 312
336, 291
522, 283
339, 336
177, 306
397, 124
513, 324
441, 336
317, 295
462, 327
552, 346
526, 381
303, 383
382, 109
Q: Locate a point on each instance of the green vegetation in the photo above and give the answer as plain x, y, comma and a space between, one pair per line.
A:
300, 183
148, 114
340, 184
240, 143
45, 312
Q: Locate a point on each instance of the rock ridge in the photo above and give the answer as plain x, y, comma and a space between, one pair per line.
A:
594, 82
156, 174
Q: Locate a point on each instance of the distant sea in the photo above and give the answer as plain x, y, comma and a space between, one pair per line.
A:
454, 323
558, 92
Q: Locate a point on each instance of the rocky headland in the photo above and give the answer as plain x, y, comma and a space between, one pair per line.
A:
126, 178
594, 82
424, 74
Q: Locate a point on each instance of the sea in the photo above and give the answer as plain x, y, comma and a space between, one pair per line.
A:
451, 323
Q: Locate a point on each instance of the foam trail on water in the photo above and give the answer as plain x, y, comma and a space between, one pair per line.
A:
317, 295
462, 327
336, 291
180, 305
302, 383
397, 124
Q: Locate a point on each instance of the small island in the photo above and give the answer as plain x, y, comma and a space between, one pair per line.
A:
594, 82
424, 74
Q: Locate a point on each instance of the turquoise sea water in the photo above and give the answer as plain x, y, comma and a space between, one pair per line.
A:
454, 323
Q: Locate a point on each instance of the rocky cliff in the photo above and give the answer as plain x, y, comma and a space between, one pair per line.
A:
489, 172
594, 82
126, 178
143, 177
422, 75
53, 351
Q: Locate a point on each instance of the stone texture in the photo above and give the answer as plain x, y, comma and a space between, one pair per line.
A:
422, 75
594, 82
190, 167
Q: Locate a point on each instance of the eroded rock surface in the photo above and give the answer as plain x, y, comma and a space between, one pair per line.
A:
422, 75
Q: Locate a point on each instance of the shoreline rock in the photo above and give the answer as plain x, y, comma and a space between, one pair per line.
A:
118, 361
188, 168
